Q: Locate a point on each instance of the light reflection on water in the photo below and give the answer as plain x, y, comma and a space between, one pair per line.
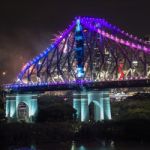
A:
32, 147
101, 145
94, 146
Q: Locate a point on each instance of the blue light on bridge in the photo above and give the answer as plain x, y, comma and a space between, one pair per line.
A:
80, 72
78, 27
79, 38
79, 49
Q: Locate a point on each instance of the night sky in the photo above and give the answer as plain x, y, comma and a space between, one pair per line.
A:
26, 27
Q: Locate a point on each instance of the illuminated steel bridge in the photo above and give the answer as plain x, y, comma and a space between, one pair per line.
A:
89, 57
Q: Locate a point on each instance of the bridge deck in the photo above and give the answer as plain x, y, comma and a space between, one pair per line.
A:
78, 85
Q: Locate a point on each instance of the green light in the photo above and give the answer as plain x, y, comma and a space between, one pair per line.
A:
101, 106
107, 109
7, 108
12, 108
84, 110
13, 102
101, 100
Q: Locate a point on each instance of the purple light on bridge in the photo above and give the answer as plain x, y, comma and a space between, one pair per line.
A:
122, 41
116, 39
127, 43
110, 36
87, 22
37, 58
17, 86
103, 22
145, 49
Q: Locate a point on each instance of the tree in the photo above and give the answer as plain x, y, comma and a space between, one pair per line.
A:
54, 108
2, 111
135, 107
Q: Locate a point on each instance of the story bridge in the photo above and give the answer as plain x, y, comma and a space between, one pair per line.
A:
90, 57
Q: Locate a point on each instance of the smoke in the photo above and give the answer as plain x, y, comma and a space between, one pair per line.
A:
17, 48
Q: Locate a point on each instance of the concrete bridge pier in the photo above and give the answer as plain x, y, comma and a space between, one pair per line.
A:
106, 105
101, 100
21, 107
97, 98
80, 103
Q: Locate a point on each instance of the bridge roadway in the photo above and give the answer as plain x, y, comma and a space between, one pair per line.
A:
76, 85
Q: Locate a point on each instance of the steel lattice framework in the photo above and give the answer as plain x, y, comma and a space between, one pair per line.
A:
108, 54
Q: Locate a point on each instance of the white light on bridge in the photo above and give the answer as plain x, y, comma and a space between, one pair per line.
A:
39, 63
135, 62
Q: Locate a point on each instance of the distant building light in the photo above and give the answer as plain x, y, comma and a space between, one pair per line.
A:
135, 62
3, 73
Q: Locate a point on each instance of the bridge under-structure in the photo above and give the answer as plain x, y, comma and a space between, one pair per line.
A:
21, 107
101, 100
90, 57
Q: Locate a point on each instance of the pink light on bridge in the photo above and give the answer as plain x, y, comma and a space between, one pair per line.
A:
122, 41
118, 40
133, 45
146, 49
139, 46
127, 43
106, 24
24, 66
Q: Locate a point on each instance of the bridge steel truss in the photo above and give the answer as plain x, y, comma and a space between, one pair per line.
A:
90, 52
109, 54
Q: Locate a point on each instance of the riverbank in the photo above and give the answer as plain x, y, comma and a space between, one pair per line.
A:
23, 133
135, 130
51, 132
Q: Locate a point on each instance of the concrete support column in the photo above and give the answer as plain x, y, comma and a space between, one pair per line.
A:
77, 104
101, 103
10, 108
80, 103
84, 107
97, 98
7, 108
107, 107
96, 111
34, 108
12, 105
101, 100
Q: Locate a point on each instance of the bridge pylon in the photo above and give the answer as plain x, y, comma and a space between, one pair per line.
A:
21, 107
101, 100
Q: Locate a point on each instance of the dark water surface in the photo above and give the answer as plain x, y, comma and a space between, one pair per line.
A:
100, 145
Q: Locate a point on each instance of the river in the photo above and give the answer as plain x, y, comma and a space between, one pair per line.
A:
98, 145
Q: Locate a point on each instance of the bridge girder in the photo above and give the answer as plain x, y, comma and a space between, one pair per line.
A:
109, 54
